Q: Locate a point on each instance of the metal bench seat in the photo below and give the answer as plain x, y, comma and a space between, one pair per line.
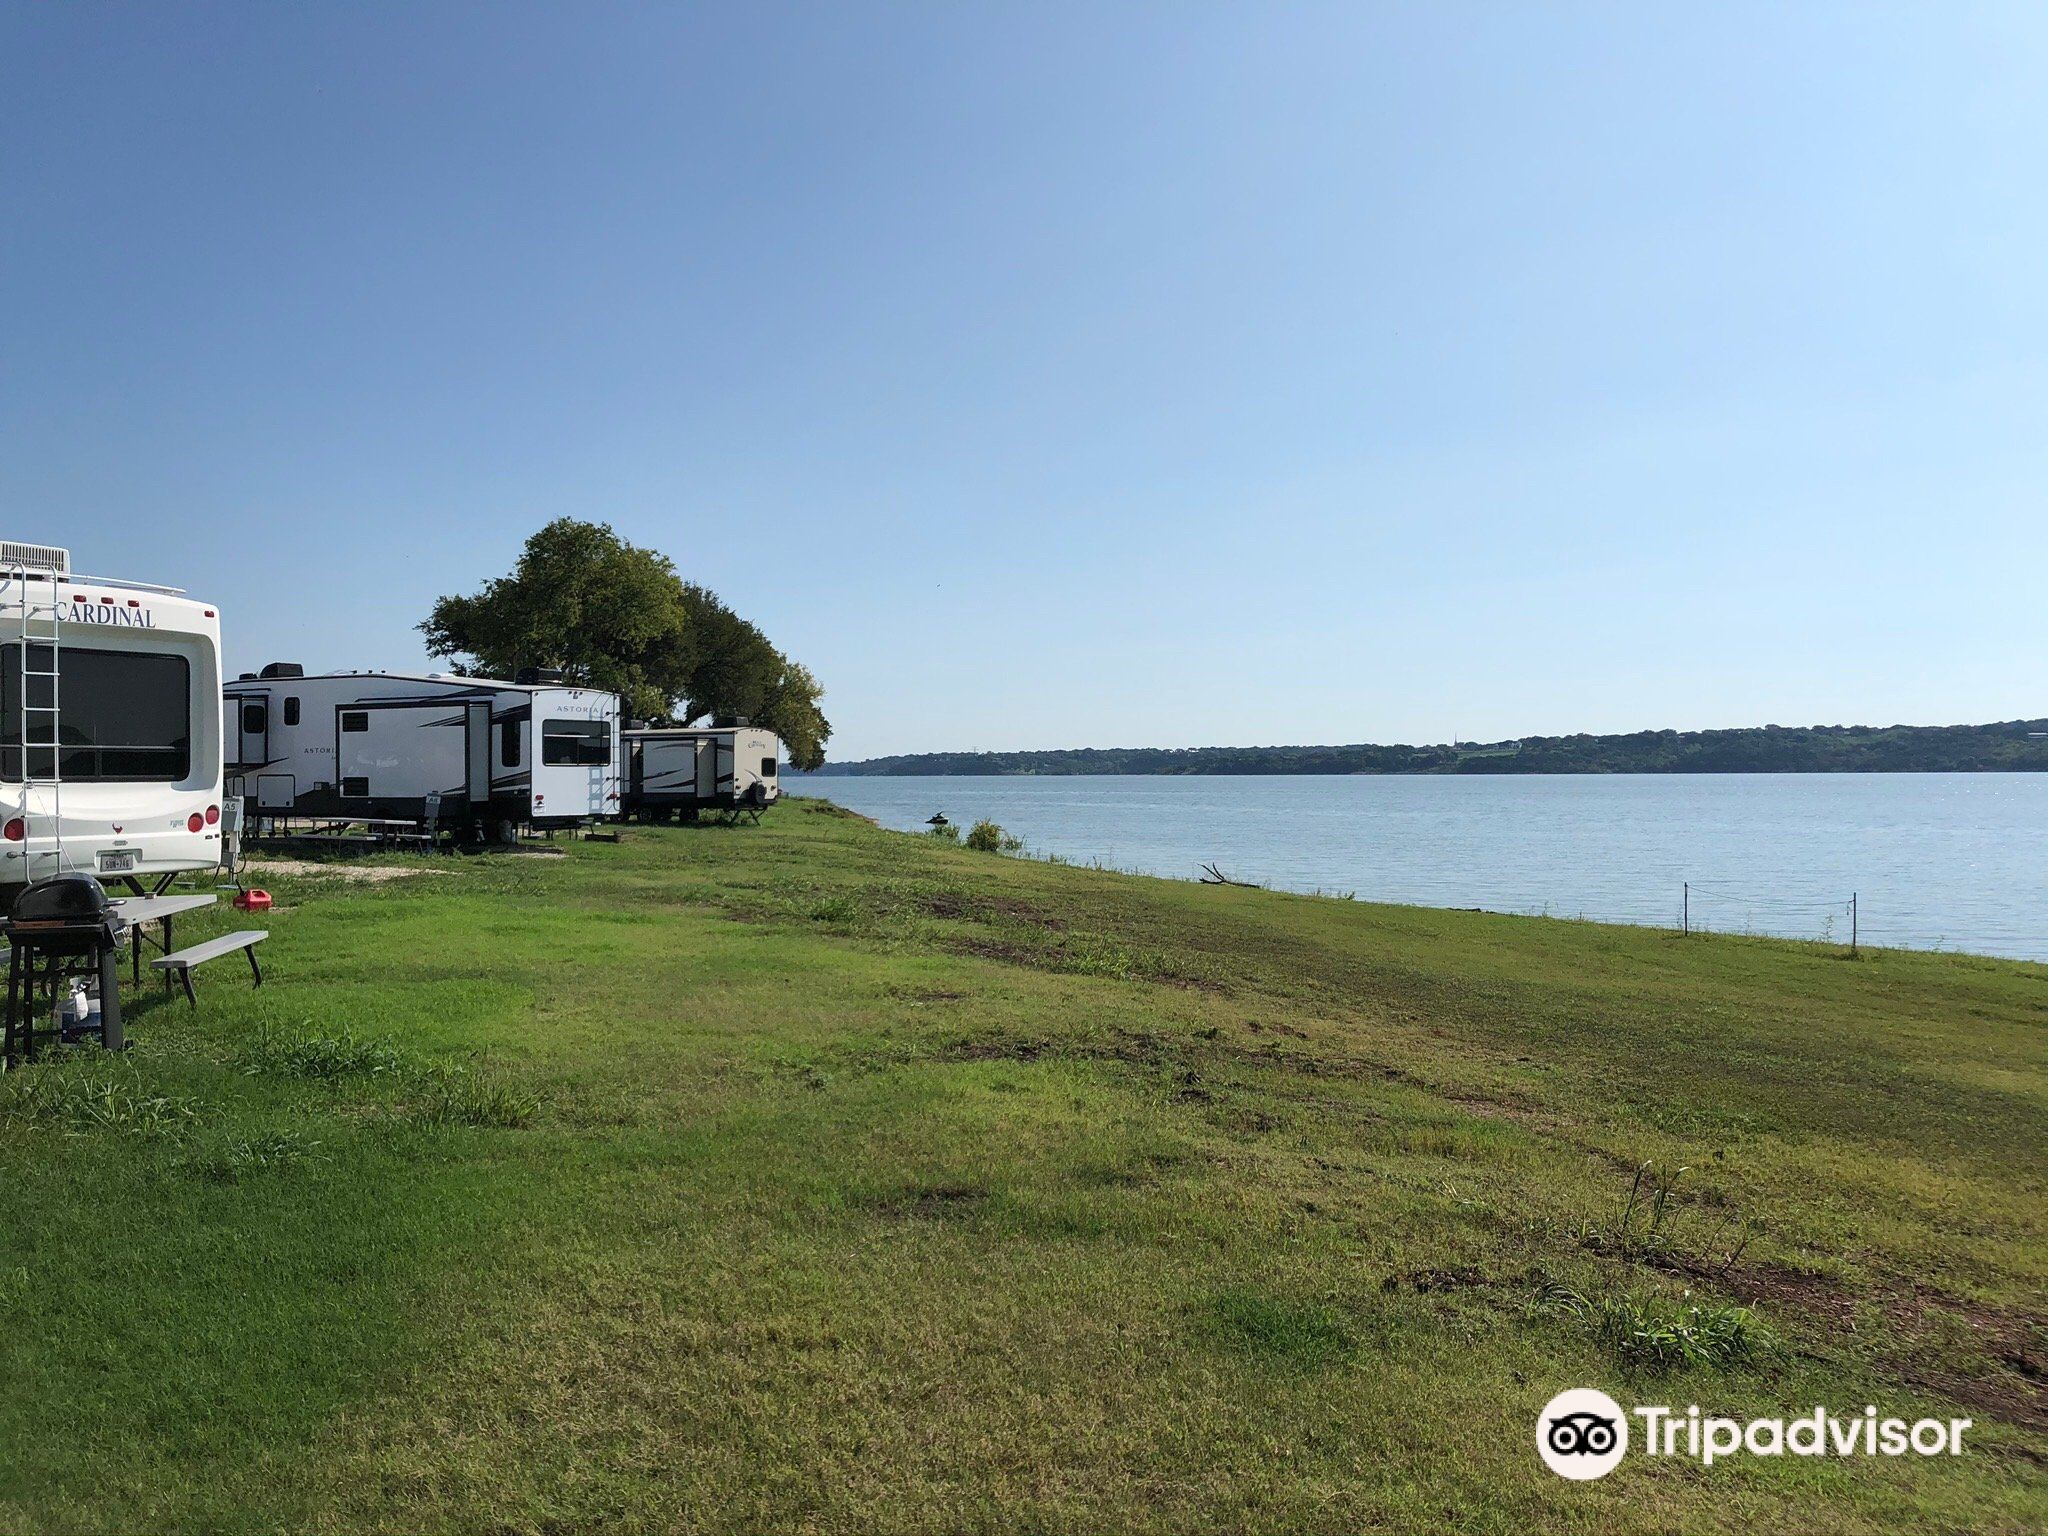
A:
186, 960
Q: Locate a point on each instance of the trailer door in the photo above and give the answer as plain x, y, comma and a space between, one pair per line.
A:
252, 730
707, 767
479, 748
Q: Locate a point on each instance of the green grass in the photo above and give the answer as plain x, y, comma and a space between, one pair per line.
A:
811, 1177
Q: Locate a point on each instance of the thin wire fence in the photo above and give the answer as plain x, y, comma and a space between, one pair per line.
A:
1712, 906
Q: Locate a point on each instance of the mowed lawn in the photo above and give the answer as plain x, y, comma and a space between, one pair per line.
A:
812, 1177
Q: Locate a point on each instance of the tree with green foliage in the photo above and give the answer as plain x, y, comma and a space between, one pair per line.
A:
734, 666
582, 601
610, 615
791, 710
740, 676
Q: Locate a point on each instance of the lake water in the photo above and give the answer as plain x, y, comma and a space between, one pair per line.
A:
1952, 861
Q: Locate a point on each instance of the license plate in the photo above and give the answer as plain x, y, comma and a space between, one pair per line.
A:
118, 861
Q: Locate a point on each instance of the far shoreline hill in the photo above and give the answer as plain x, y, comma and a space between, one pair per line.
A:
2010, 746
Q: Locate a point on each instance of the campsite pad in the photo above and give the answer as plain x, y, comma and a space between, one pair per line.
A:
367, 873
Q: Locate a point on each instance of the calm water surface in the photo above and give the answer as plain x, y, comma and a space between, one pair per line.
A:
1955, 861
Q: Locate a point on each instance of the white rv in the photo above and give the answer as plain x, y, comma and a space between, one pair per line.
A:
466, 753
110, 743
684, 770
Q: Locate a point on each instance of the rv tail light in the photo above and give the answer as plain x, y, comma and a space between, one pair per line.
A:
106, 602
15, 831
195, 822
134, 602
209, 613
212, 815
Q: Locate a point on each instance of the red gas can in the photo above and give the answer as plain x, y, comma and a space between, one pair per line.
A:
253, 901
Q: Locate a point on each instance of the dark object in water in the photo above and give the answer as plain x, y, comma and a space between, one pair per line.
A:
939, 821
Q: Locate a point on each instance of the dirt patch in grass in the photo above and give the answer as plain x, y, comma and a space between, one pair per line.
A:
1815, 1296
1079, 962
995, 1050
1008, 954
2014, 1387
1187, 982
1831, 1301
2018, 1393
2019, 1403
931, 1202
1429, 1281
1278, 1029
363, 874
958, 906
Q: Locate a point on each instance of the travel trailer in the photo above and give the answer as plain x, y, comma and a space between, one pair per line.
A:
110, 739
681, 771
471, 755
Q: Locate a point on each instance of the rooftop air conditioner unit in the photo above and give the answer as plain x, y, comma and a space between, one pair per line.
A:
35, 557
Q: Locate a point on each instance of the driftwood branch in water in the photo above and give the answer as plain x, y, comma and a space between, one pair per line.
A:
1211, 875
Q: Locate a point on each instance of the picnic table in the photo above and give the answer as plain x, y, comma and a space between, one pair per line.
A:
137, 913
134, 916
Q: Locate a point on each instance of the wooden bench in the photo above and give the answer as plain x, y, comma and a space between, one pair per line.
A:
185, 960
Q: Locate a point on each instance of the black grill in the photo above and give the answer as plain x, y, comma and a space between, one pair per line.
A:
58, 931
63, 915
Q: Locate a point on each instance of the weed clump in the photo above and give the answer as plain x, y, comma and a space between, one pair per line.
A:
456, 1098
325, 1058
91, 1096
1655, 1335
228, 1161
986, 837
836, 909
431, 1093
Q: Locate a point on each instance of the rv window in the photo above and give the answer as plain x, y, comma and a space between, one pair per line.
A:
125, 715
291, 710
767, 767
576, 742
355, 720
508, 743
255, 718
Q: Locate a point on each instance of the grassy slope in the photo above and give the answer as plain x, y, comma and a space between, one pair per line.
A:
941, 1190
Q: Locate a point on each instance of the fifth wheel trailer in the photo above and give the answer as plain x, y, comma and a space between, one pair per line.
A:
110, 741
472, 754
684, 770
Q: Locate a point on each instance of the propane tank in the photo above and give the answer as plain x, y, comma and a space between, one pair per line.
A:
75, 1011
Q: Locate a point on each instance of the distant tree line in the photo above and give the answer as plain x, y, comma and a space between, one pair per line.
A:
606, 614
2003, 747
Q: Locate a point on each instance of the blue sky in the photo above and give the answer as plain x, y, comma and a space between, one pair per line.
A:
1083, 375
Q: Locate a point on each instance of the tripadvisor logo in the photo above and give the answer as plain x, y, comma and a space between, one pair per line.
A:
1583, 1434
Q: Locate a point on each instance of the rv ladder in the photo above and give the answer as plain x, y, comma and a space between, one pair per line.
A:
41, 637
